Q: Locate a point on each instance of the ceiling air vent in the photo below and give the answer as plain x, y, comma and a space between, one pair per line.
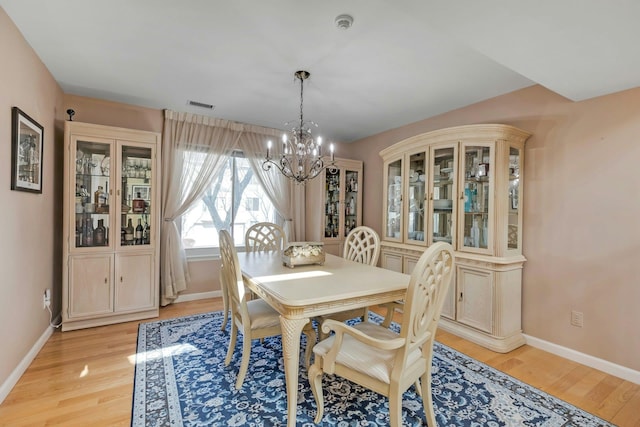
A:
200, 105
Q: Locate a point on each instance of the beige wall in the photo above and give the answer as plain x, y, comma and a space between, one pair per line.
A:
31, 232
97, 111
581, 210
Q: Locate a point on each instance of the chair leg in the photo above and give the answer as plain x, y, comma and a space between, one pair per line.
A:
225, 305
418, 388
427, 399
232, 343
395, 407
244, 364
388, 318
315, 381
310, 333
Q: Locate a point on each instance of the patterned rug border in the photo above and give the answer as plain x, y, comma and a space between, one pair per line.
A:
560, 412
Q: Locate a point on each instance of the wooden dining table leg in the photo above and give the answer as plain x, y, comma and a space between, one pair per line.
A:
291, 330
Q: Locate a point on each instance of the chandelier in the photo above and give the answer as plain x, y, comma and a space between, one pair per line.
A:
301, 158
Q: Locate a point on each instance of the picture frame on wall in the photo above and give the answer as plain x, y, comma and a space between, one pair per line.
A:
27, 138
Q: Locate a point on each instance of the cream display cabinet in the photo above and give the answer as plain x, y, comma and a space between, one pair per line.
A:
462, 185
111, 225
334, 200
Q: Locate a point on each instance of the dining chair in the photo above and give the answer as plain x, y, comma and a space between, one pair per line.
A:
382, 360
255, 319
362, 244
264, 236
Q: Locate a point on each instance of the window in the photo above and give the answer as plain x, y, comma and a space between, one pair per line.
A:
234, 202
253, 204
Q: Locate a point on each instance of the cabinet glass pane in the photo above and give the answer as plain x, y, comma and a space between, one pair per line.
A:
351, 201
415, 196
476, 196
514, 193
394, 199
136, 196
332, 204
92, 208
442, 195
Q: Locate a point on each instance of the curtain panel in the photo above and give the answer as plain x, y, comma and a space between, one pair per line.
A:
194, 148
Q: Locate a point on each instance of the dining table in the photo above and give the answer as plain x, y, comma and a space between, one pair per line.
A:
306, 291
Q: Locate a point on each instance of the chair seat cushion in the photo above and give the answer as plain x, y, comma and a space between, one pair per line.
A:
262, 314
363, 358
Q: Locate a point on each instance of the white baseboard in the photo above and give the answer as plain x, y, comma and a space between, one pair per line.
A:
585, 359
14, 377
201, 295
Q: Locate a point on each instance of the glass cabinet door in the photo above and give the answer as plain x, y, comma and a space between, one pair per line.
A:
136, 195
443, 193
91, 204
416, 197
351, 201
515, 219
394, 200
332, 204
476, 197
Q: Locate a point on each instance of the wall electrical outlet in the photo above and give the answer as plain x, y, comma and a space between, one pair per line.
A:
577, 318
46, 299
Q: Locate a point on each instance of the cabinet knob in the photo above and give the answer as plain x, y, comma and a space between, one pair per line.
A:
120, 279
462, 195
460, 298
105, 280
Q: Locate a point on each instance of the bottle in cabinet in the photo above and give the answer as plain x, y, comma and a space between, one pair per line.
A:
139, 231
100, 234
138, 204
146, 233
129, 233
87, 232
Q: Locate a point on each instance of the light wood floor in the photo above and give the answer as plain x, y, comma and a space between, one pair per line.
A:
85, 378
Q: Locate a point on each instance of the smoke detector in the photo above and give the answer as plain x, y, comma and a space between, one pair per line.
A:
344, 21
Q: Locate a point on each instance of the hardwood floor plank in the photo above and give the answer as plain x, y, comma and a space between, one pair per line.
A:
85, 377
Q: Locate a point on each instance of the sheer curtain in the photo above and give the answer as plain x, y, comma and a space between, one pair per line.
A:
193, 151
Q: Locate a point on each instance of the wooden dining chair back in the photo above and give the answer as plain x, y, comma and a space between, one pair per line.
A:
264, 236
385, 361
362, 245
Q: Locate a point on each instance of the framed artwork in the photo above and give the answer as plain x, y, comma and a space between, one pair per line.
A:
143, 190
26, 152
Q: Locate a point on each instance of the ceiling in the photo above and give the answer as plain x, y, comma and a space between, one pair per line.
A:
402, 61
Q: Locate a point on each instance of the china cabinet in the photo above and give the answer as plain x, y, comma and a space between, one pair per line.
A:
462, 185
334, 200
111, 221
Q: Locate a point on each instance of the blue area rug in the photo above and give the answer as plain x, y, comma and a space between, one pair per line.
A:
181, 380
